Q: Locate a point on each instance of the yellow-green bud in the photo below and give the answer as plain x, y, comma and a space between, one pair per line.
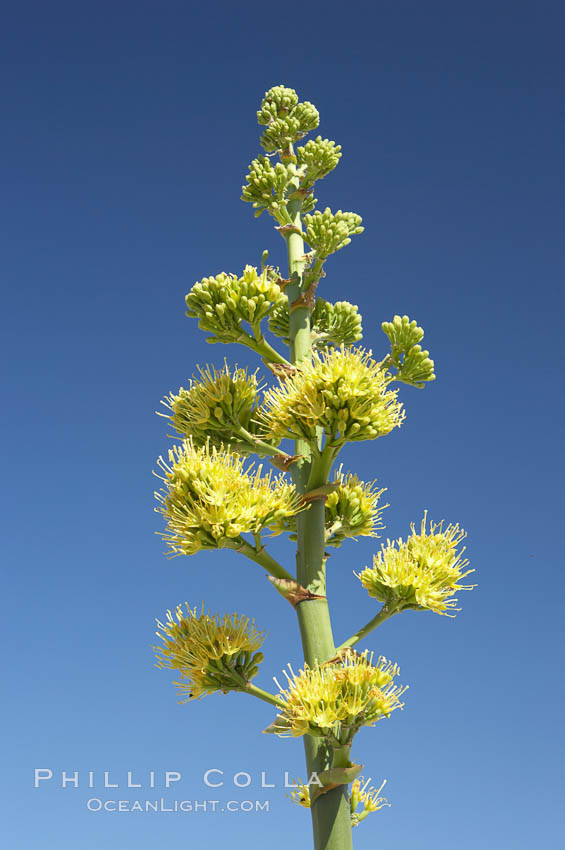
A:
353, 510
328, 232
221, 303
316, 159
413, 365
331, 324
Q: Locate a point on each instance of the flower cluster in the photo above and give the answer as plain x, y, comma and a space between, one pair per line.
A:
422, 573
286, 120
353, 510
266, 186
343, 391
215, 408
412, 363
223, 302
316, 159
331, 324
211, 653
336, 700
209, 499
328, 232
364, 794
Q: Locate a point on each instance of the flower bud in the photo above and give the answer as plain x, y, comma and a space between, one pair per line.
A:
331, 324
328, 232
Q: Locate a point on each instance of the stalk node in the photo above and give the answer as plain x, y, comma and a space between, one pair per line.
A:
293, 591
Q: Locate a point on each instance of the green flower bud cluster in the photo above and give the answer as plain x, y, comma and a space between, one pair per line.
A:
211, 653
343, 391
223, 302
331, 324
316, 159
353, 510
422, 572
277, 102
266, 186
413, 365
215, 408
328, 232
209, 499
285, 118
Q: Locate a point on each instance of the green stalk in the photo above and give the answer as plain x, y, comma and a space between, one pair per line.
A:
331, 819
379, 618
260, 556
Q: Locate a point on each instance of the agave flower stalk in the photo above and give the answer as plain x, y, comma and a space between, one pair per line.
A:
321, 393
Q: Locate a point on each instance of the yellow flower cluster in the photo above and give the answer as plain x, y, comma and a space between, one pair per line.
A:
211, 653
364, 794
337, 699
422, 573
353, 510
214, 407
344, 391
301, 795
209, 499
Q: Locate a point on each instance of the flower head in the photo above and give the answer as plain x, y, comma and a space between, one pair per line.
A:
209, 499
212, 653
424, 572
337, 699
344, 391
353, 510
331, 324
413, 364
223, 302
327, 232
285, 118
215, 407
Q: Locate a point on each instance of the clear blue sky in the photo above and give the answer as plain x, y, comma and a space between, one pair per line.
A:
126, 131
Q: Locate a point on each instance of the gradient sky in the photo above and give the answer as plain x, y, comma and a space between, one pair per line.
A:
126, 131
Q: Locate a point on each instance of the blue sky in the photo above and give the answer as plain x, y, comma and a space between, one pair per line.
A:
126, 134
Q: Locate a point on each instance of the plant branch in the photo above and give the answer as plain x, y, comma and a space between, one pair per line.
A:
259, 556
384, 614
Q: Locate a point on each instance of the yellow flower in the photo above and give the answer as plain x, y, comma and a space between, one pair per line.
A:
344, 391
353, 510
422, 573
337, 699
214, 407
211, 653
362, 793
210, 499
301, 795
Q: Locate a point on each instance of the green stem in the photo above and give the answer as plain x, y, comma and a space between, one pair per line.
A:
264, 350
383, 615
261, 447
331, 820
259, 556
264, 695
